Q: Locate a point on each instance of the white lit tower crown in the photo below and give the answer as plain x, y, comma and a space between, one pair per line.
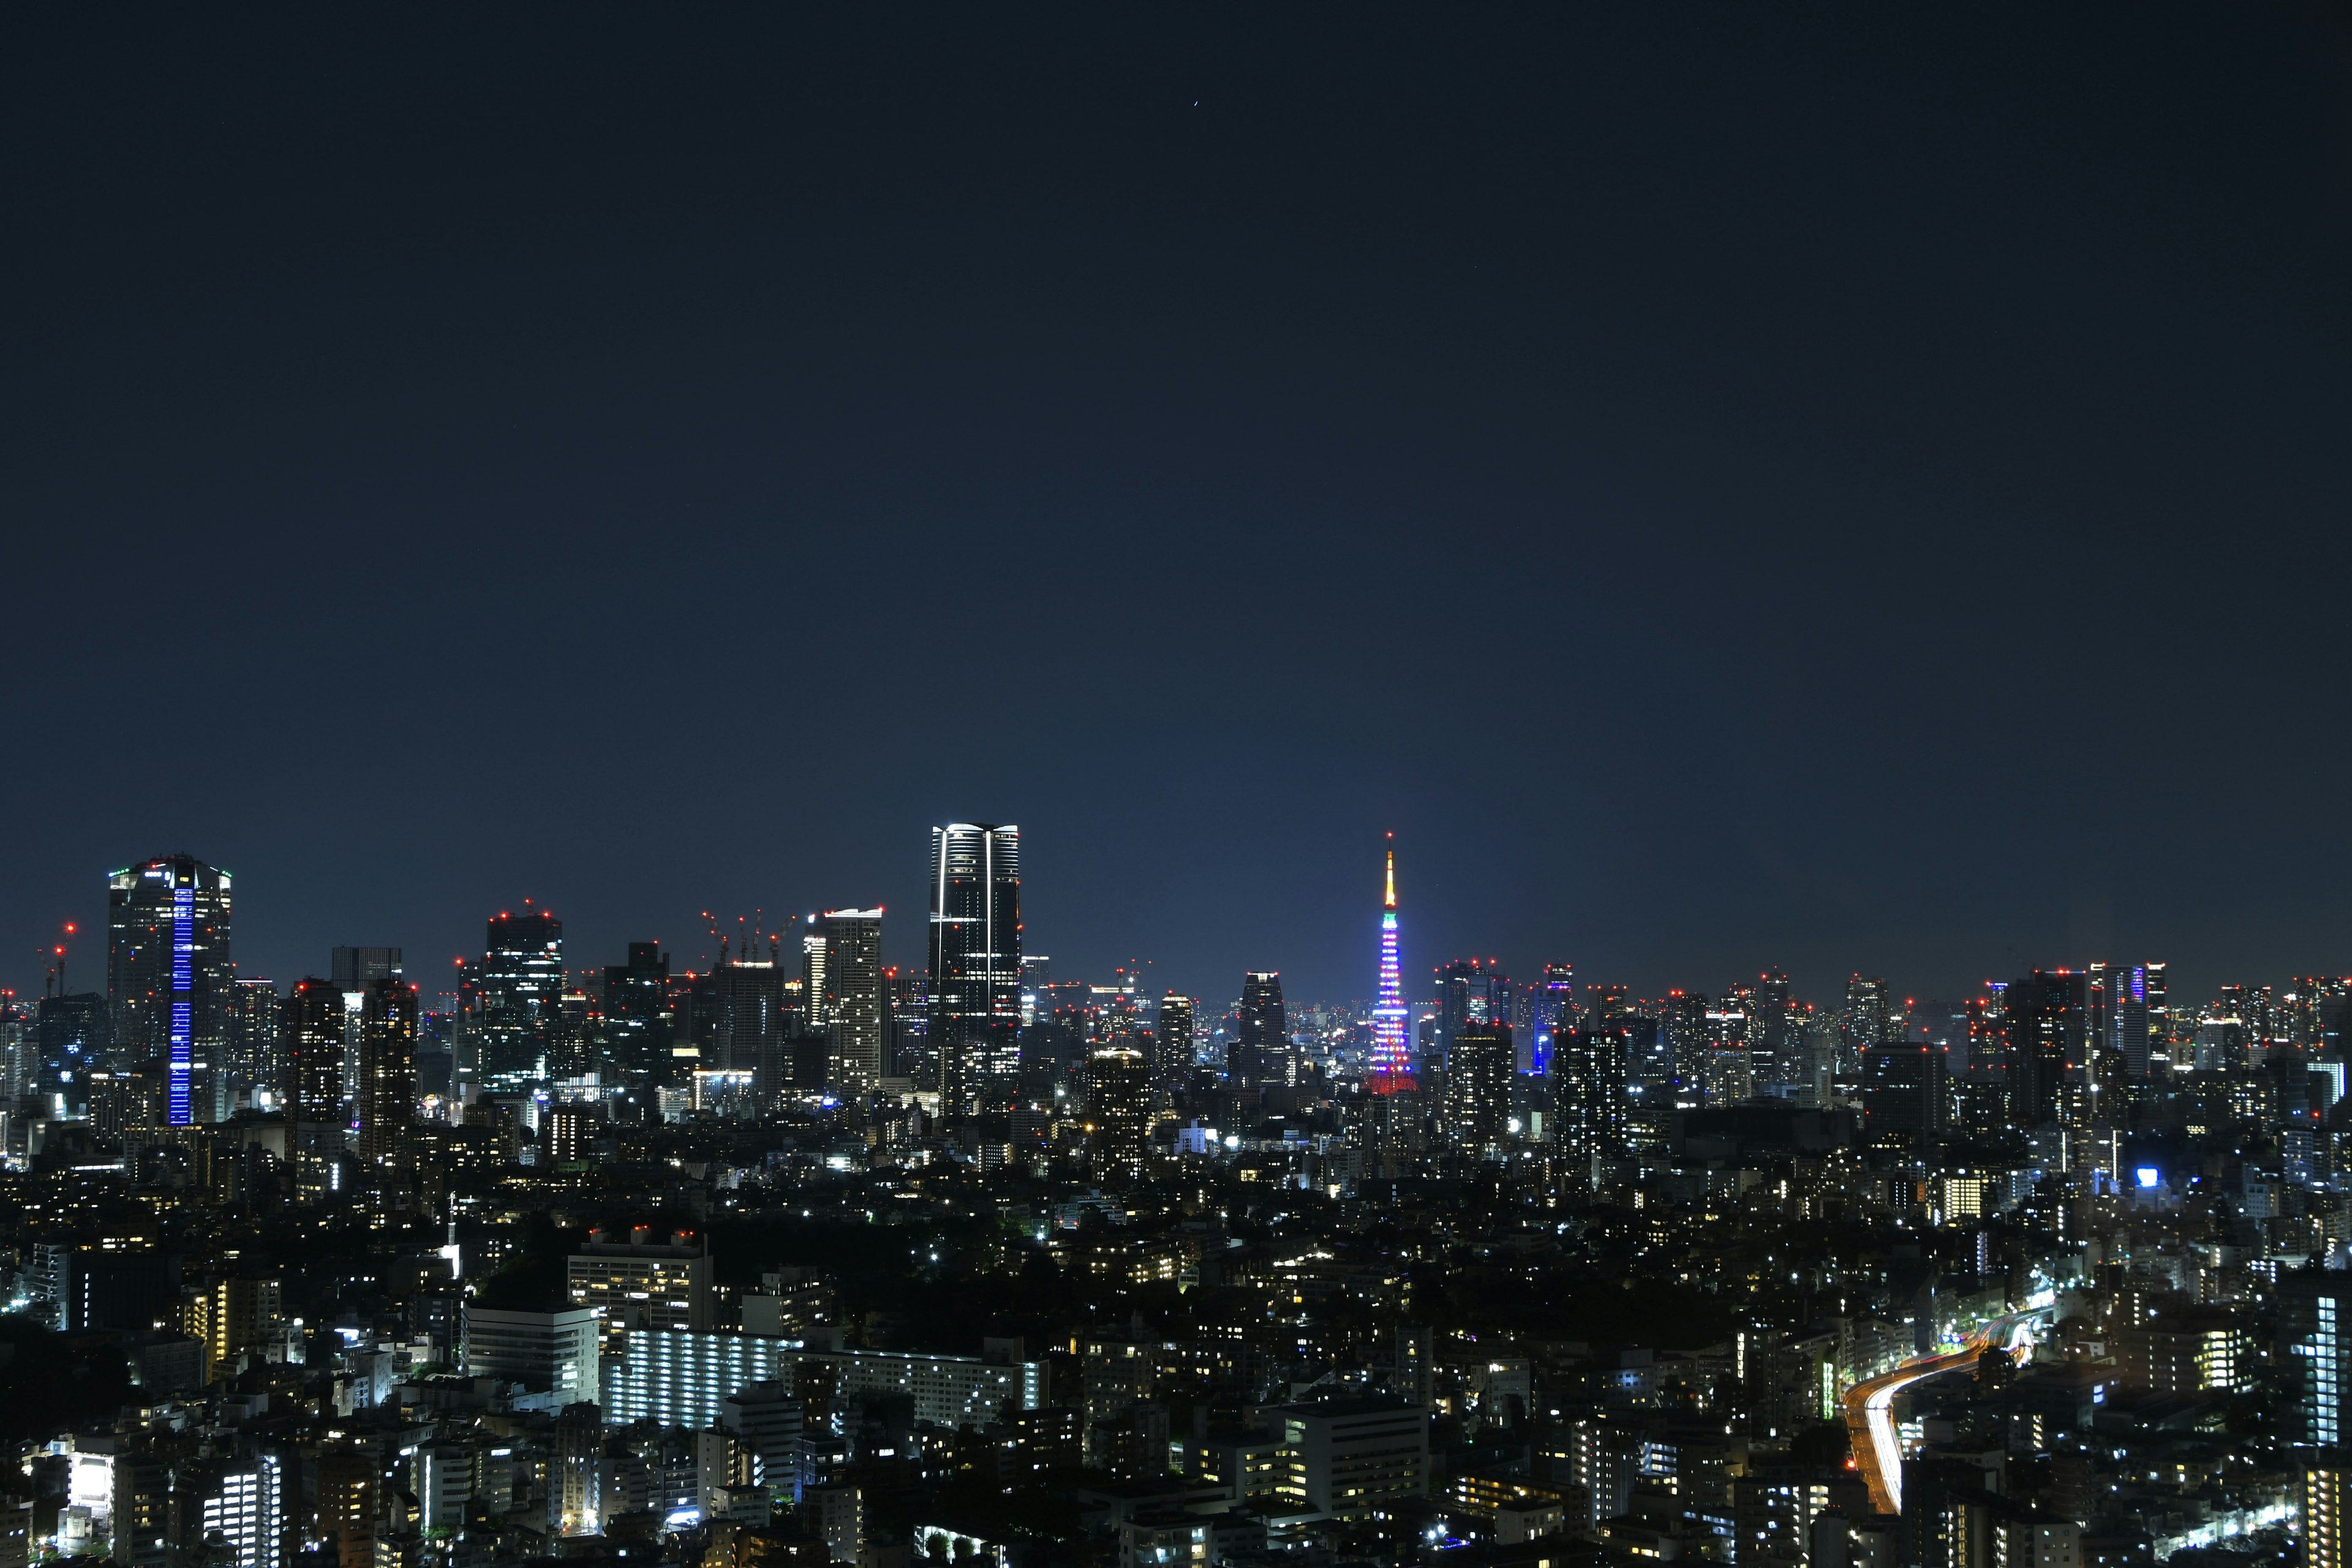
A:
1391, 1035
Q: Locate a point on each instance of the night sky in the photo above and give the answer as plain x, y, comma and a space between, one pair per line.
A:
1846, 488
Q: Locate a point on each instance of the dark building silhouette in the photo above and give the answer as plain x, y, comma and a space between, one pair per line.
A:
514, 1000
387, 1098
2046, 1013
637, 1028
1261, 1041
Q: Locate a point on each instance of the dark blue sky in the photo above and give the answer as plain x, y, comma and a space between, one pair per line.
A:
1728, 485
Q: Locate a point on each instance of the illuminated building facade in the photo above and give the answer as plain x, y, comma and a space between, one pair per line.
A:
1392, 1063
169, 979
516, 998
975, 953
387, 1096
1175, 1038
642, 1283
1119, 1112
311, 1034
1478, 1073
636, 1015
855, 1010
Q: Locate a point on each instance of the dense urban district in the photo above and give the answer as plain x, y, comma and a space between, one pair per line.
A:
804, 1258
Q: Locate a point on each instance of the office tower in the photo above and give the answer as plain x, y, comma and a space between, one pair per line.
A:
2314, 1353
1470, 991
168, 973
1262, 1035
741, 1023
387, 1097
854, 1006
517, 997
1119, 1112
71, 1036
1588, 1082
1478, 1070
575, 1476
1868, 1017
2129, 1019
1903, 1089
1772, 1054
975, 951
637, 1028
2045, 1014
1551, 1009
1173, 1039
911, 1055
1683, 1016
1392, 1042
235, 1315
815, 963
358, 968
2155, 985
311, 1034
547, 1352
1036, 974
641, 1282
254, 1012
767, 1419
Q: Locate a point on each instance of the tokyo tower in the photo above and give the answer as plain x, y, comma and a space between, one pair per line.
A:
1391, 1043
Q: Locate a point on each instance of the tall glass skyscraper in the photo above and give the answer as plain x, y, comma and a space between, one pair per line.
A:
169, 980
1391, 1019
976, 965
517, 997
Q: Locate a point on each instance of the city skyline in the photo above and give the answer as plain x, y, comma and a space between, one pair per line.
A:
1421, 982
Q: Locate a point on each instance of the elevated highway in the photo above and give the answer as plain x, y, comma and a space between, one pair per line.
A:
1870, 1407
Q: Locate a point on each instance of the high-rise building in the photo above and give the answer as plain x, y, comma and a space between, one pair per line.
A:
1773, 1057
1588, 1083
911, 1055
1551, 1009
2314, 1353
642, 1281
1260, 1043
255, 1008
2155, 988
2046, 1013
852, 1001
71, 1038
816, 964
1470, 991
636, 1015
1867, 1016
387, 1097
1391, 1061
1683, 1016
312, 1037
1173, 1039
975, 949
517, 998
355, 971
1119, 1112
1903, 1089
743, 1022
1478, 1069
168, 973
2327, 1510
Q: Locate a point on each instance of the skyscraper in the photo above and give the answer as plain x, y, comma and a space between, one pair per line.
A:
637, 1030
1392, 1064
519, 993
1470, 991
1479, 1087
1262, 1035
2045, 1013
1552, 1010
387, 1098
854, 1006
311, 1037
1119, 1112
254, 1011
975, 944
168, 973
1174, 1038
1867, 1017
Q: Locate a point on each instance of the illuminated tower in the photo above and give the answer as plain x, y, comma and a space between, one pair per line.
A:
1391, 1035
975, 992
168, 975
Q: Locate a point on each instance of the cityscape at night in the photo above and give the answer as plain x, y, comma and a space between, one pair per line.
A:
987, 787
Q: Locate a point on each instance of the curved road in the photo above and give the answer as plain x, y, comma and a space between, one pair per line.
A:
1870, 1409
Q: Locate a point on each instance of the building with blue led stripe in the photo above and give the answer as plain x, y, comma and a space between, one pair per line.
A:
169, 982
